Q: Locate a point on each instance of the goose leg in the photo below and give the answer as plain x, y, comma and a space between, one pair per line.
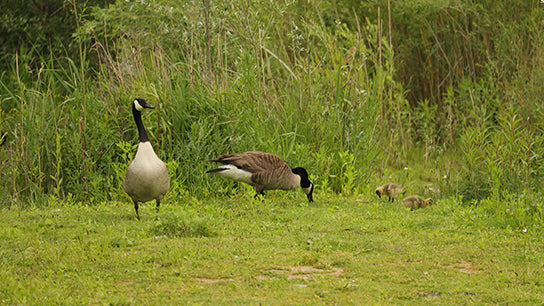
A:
158, 204
136, 208
259, 191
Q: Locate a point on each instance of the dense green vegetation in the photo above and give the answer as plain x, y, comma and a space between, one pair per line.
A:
356, 92
352, 91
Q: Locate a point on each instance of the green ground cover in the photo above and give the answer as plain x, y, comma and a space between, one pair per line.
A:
280, 251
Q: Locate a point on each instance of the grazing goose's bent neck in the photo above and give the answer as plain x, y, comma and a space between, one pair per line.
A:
304, 180
305, 183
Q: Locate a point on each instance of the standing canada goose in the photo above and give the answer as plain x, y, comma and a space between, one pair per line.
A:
265, 171
414, 202
390, 190
147, 176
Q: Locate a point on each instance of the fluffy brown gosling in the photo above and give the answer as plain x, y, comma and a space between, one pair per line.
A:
414, 202
390, 189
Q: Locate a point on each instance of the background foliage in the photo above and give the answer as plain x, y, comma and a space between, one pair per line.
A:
444, 97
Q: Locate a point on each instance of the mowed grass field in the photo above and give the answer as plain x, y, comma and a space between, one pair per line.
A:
357, 250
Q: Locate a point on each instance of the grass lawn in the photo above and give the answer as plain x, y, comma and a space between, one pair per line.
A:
280, 251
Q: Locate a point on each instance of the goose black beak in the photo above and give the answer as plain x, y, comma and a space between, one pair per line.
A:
146, 104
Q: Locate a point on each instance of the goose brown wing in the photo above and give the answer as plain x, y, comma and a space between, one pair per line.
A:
273, 172
253, 161
274, 178
240, 161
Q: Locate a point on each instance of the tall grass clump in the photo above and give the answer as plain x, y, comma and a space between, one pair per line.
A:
261, 77
501, 152
354, 93
472, 90
501, 132
288, 78
44, 129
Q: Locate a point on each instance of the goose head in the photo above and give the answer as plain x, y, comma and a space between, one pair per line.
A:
305, 183
139, 105
379, 192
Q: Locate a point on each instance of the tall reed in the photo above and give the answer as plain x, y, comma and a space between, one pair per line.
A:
347, 92
273, 78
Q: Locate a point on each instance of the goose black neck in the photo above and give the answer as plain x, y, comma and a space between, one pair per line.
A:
142, 134
304, 180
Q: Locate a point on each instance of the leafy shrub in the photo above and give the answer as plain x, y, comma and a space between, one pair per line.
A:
313, 82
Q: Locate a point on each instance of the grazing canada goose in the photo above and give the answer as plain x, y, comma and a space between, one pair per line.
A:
390, 189
265, 171
414, 202
147, 176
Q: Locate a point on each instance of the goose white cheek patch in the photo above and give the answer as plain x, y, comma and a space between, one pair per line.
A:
138, 106
307, 189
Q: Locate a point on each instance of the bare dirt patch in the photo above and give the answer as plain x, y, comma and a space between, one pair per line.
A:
299, 272
214, 280
464, 267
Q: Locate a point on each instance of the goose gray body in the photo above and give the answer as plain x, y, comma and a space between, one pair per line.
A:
390, 189
264, 171
147, 176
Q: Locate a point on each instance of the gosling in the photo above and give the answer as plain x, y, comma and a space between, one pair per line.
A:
414, 202
390, 189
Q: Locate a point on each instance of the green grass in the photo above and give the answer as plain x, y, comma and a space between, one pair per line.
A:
280, 251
